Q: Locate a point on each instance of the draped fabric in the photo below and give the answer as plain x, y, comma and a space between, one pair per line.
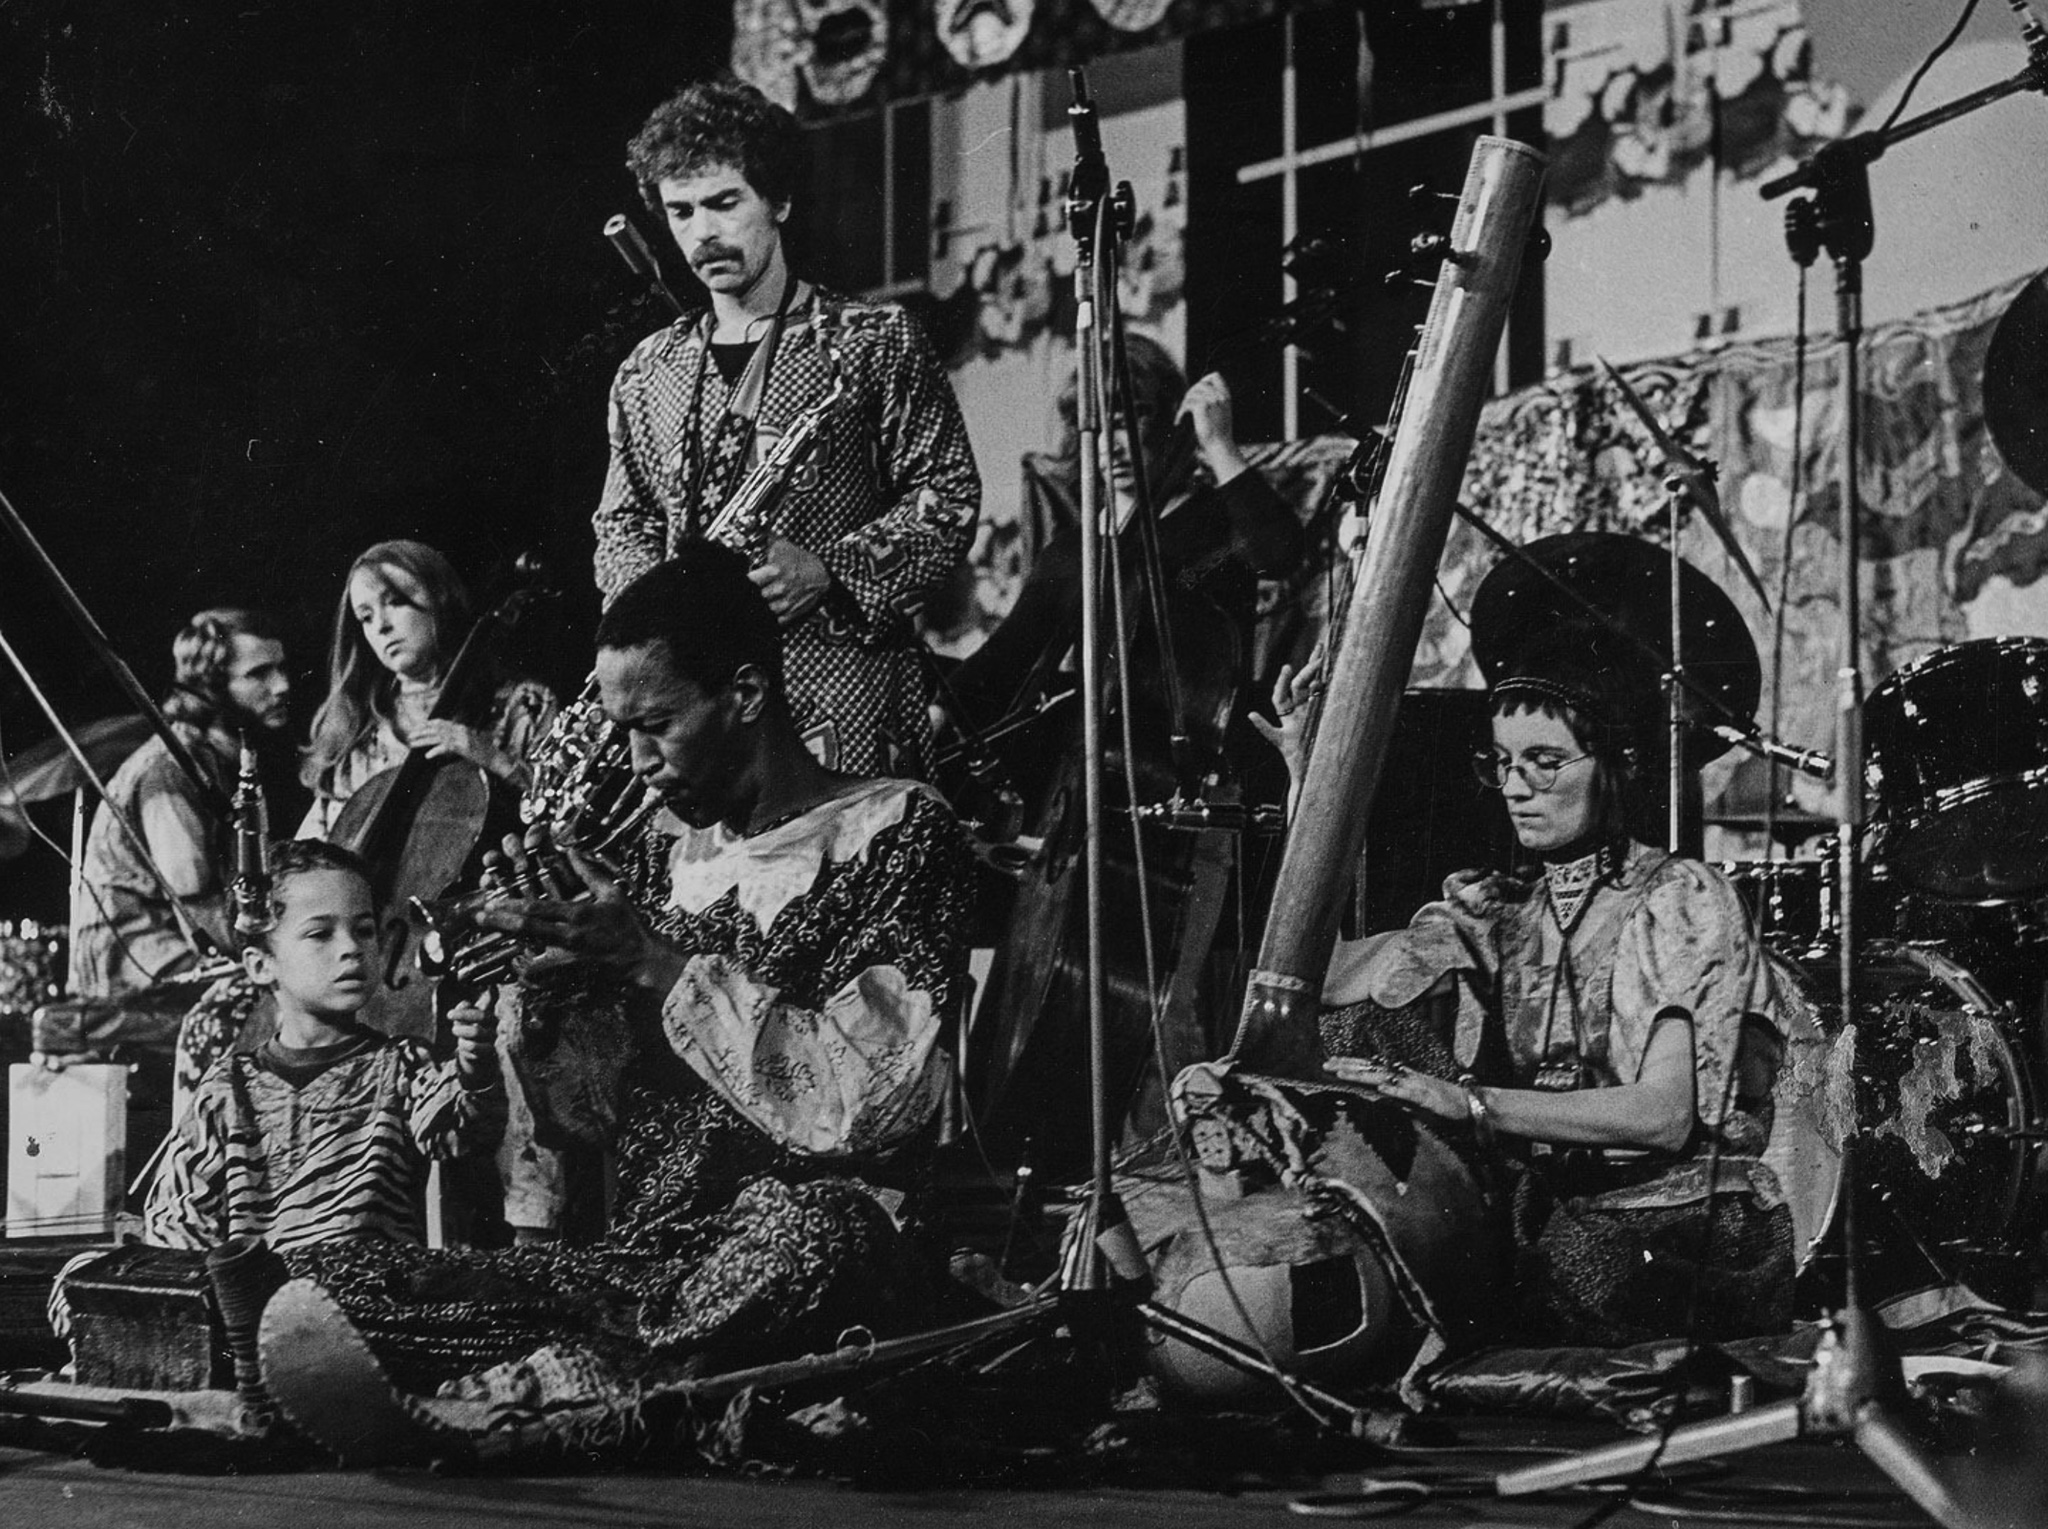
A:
1951, 538
821, 57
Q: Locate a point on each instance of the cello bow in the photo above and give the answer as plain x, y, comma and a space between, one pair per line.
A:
1497, 210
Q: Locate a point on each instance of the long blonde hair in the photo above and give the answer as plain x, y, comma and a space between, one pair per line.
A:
361, 692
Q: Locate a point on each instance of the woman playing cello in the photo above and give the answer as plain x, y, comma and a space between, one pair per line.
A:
403, 613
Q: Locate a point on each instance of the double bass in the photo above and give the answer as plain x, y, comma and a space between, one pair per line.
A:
1026, 1077
423, 825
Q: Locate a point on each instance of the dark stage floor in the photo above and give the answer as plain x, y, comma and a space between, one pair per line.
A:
38, 1489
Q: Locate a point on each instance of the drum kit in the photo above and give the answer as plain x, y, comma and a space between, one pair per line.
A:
32, 953
1933, 1073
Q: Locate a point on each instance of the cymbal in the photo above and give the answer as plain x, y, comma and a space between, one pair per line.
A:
1693, 475
1628, 582
47, 770
2016, 385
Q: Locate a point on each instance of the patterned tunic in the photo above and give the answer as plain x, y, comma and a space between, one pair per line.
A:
343, 1153
1609, 1240
766, 1125
887, 500
124, 935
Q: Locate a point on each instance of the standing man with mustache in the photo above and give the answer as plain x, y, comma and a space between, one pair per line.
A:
884, 505
229, 680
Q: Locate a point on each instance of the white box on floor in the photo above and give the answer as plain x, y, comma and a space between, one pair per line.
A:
66, 1150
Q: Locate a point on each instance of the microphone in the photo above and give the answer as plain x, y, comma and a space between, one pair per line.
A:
1806, 761
251, 889
1090, 181
632, 247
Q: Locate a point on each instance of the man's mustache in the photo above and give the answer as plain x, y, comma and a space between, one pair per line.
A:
712, 252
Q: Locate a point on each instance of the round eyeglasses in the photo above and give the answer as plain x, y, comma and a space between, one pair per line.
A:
1492, 770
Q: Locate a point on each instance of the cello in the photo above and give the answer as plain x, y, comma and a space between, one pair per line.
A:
422, 825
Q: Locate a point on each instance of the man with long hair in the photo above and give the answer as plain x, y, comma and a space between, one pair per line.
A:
228, 680
884, 504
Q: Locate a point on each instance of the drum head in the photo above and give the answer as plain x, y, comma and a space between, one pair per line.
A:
1928, 1081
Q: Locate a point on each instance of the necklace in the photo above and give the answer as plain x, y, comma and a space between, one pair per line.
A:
1571, 884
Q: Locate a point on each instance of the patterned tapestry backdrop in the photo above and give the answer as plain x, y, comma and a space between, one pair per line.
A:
821, 57
1954, 544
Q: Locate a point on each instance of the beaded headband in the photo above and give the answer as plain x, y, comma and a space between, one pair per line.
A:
1578, 698
1556, 692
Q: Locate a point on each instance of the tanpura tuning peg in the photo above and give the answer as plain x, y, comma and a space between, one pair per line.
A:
1123, 209
1437, 247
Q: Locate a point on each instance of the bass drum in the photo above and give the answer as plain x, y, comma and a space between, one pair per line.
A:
1928, 1080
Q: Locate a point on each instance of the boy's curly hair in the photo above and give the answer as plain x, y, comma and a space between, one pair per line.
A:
301, 857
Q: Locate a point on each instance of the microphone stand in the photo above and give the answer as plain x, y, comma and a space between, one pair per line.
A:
1838, 215
1856, 1390
124, 677
1104, 1230
1104, 1284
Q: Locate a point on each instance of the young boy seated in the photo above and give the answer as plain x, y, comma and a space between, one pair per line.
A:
326, 1130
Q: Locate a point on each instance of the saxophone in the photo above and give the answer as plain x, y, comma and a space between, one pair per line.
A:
582, 786
742, 521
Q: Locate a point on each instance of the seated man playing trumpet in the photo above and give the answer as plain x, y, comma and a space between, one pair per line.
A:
760, 1052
